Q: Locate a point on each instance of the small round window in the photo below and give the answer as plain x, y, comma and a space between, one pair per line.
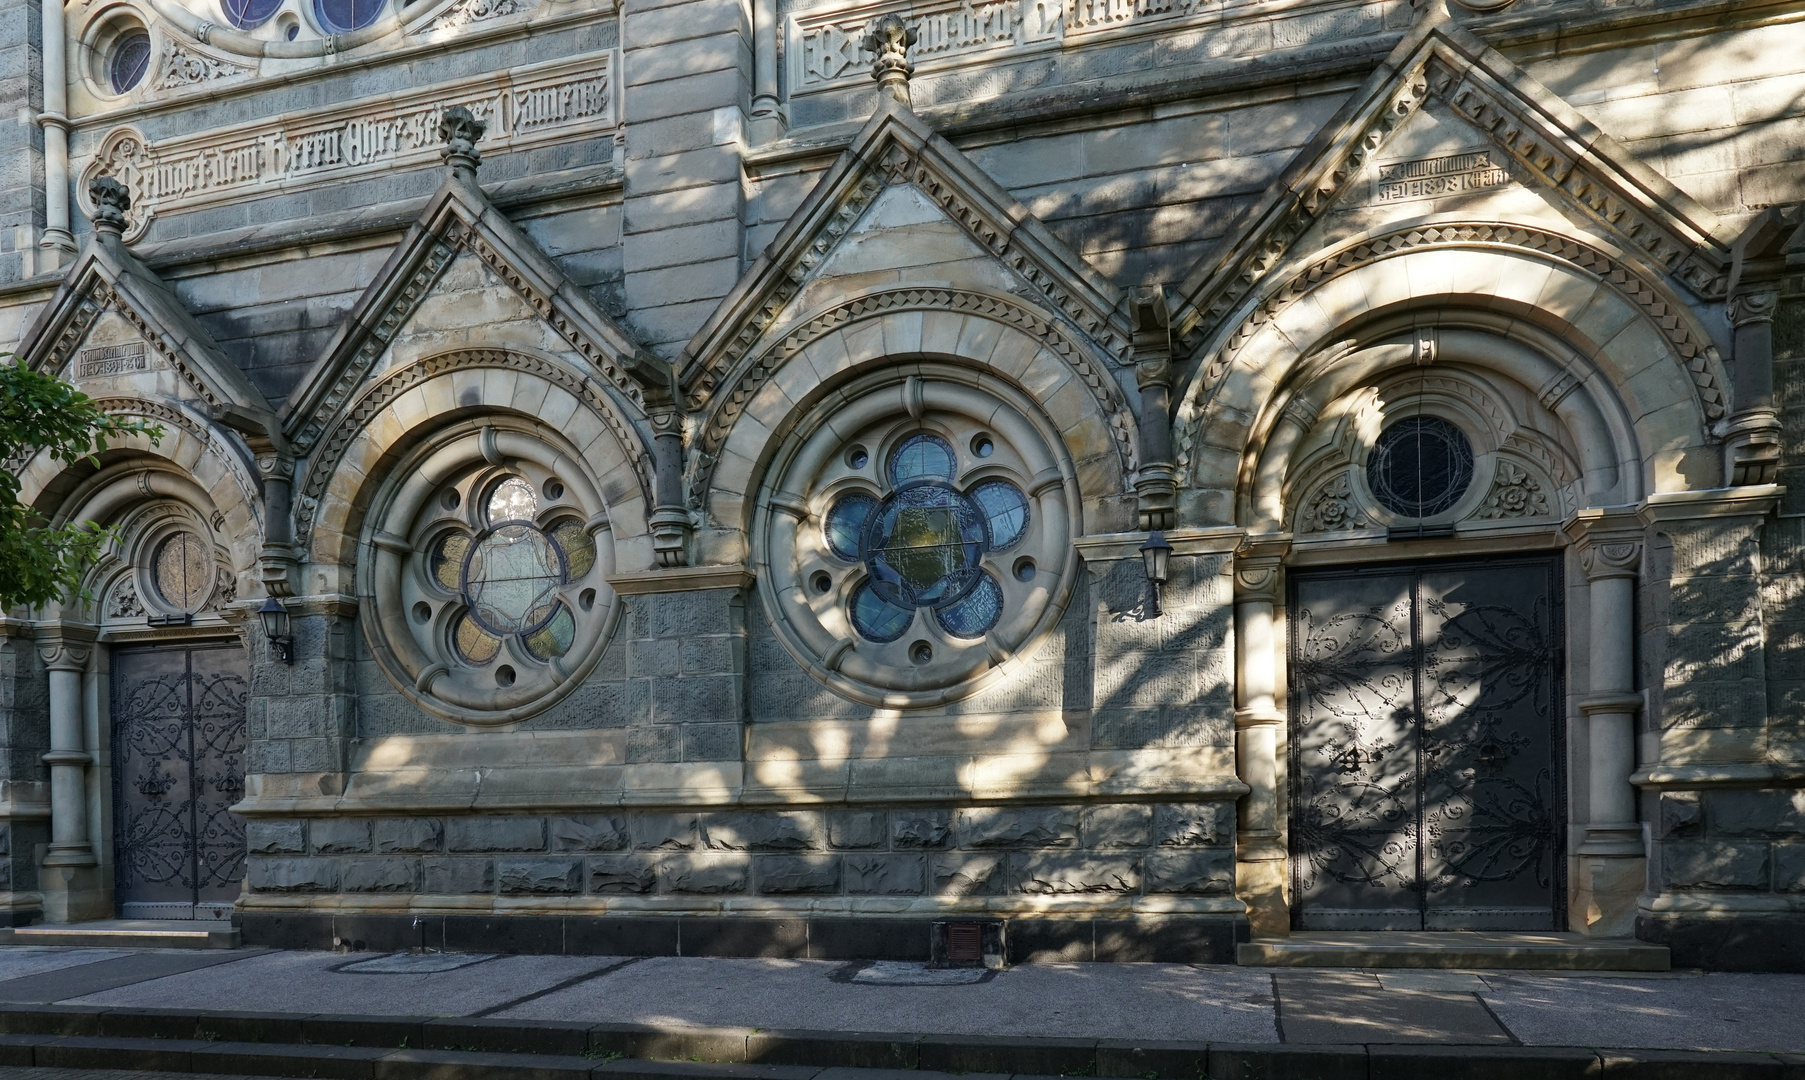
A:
182, 571
1420, 467
128, 60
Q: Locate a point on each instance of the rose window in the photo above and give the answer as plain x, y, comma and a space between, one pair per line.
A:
492, 585
911, 553
924, 543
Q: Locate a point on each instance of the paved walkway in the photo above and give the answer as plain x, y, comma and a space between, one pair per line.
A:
1669, 1010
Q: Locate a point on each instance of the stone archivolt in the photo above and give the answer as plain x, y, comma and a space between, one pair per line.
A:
719, 423
1702, 364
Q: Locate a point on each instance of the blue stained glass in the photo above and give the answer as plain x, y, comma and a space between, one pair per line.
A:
344, 16
923, 545
846, 523
877, 619
1006, 509
921, 457
248, 14
973, 616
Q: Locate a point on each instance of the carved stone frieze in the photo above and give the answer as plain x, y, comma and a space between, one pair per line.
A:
523, 107
1515, 493
189, 67
733, 396
469, 12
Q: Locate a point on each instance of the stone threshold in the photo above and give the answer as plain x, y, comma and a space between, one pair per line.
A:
419, 1048
127, 934
1453, 949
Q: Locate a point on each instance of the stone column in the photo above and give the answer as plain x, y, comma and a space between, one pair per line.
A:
1260, 855
70, 884
1612, 853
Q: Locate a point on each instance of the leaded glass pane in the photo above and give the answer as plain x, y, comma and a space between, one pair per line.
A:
131, 56
344, 16
249, 14
924, 545
448, 559
973, 616
921, 457
512, 500
846, 523
576, 543
475, 645
510, 580
1006, 509
183, 571
1420, 466
554, 638
877, 619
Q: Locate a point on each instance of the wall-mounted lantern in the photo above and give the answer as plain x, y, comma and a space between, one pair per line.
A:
1156, 555
276, 628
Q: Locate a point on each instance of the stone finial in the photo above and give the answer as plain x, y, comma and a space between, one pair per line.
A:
460, 130
111, 201
889, 38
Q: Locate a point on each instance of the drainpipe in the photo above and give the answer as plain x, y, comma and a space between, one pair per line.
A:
58, 243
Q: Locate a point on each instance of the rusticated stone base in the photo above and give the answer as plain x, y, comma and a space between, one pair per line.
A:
1735, 943
1177, 939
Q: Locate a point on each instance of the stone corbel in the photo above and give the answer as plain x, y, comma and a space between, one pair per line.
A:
670, 521
1156, 483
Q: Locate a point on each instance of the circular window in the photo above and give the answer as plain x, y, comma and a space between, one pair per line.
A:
514, 585
128, 60
344, 16
903, 582
182, 571
249, 14
1420, 467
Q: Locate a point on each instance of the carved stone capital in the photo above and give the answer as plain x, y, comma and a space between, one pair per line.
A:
1751, 441
1750, 307
1257, 577
275, 466
670, 528
1156, 492
60, 654
1609, 541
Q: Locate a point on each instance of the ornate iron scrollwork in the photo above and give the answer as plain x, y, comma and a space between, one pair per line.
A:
1426, 747
179, 740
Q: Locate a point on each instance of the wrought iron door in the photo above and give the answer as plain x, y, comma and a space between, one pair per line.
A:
1426, 747
178, 765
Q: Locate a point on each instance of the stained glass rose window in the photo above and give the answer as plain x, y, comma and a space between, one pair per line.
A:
491, 580
912, 552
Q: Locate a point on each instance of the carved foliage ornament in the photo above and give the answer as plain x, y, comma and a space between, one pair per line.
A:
188, 67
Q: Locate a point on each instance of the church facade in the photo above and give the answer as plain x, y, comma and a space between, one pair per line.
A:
986, 481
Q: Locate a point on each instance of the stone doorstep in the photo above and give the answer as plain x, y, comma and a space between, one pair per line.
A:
1456, 949
805, 1055
127, 934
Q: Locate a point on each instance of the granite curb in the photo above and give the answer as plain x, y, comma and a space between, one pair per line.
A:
421, 1048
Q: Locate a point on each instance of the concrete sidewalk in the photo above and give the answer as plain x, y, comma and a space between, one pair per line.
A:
1145, 1002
